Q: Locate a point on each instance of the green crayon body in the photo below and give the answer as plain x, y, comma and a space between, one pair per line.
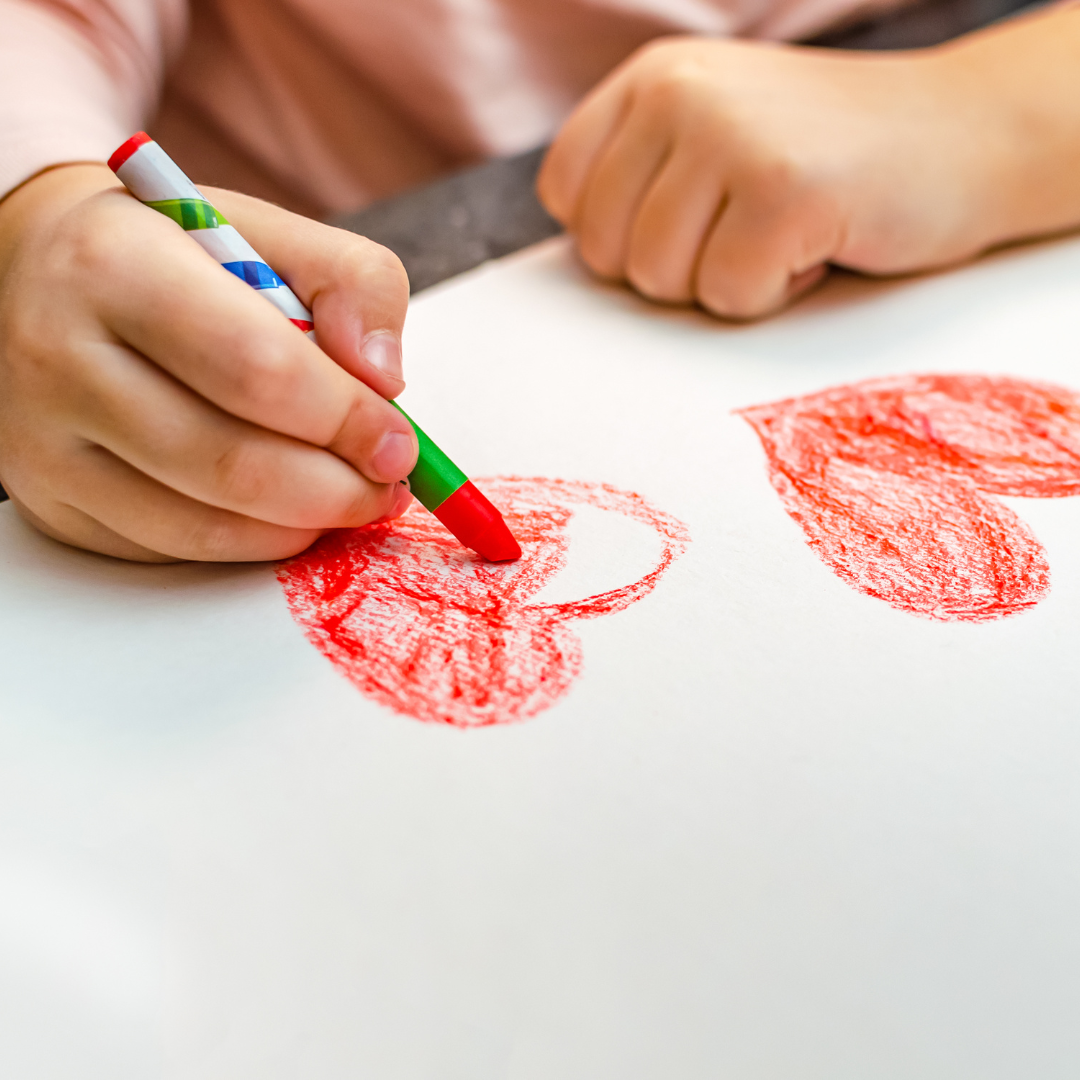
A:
441, 487
435, 477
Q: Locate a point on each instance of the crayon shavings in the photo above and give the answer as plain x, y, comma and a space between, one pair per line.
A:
893, 483
427, 628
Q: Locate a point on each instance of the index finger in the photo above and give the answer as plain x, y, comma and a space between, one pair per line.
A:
163, 295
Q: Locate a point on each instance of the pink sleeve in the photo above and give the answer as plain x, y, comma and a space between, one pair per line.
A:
77, 77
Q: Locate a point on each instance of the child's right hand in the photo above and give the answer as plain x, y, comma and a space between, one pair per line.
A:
154, 407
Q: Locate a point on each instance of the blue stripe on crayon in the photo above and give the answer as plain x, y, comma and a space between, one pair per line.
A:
257, 274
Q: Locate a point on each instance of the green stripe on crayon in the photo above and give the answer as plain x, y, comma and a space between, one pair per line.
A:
190, 214
435, 477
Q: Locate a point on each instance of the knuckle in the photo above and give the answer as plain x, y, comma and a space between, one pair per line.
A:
596, 253
780, 180
86, 247
38, 368
353, 432
657, 266
214, 537
729, 291
645, 273
669, 89
239, 475
740, 301
675, 75
29, 472
368, 503
21, 345
361, 260
264, 373
654, 285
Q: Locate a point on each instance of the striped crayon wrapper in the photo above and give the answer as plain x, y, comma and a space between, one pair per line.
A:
155, 179
439, 485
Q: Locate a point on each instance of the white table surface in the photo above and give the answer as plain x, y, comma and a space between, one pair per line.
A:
777, 830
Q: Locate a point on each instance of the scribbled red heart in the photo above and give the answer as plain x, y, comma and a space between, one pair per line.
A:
892, 482
422, 625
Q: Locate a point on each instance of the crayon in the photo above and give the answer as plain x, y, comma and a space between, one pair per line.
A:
156, 180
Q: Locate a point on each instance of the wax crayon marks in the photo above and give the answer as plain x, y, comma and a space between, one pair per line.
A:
423, 626
892, 481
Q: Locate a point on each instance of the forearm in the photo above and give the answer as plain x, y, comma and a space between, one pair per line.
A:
76, 80
1020, 85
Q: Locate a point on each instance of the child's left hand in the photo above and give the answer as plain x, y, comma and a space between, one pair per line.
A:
732, 173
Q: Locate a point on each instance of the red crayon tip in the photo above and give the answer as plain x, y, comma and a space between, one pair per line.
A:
478, 525
140, 138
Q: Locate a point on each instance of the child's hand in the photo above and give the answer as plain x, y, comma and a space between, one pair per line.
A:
731, 173
153, 406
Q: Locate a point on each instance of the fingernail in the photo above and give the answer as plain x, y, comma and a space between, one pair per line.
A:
382, 350
402, 499
394, 456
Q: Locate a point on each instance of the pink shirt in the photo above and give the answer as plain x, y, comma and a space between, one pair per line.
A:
324, 105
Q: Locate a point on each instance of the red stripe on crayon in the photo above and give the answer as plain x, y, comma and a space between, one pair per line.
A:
303, 324
478, 524
140, 138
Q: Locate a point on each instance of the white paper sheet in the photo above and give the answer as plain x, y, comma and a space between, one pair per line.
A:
775, 829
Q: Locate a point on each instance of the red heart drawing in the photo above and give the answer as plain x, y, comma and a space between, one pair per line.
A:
422, 625
892, 482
